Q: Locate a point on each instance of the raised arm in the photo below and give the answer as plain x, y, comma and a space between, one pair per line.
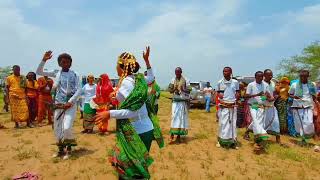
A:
47, 55
150, 76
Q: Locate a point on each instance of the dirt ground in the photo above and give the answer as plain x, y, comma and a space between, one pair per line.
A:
196, 158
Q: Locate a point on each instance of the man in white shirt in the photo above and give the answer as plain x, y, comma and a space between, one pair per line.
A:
208, 91
68, 89
179, 119
303, 94
228, 92
258, 94
272, 125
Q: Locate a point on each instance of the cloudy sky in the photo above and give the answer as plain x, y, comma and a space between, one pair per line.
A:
200, 36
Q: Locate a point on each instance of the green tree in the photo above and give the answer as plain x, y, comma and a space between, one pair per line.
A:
308, 59
4, 72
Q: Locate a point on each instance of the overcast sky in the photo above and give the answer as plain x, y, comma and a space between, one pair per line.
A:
200, 36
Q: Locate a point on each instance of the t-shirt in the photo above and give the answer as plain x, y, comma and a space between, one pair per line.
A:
229, 89
255, 88
208, 91
89, 92
306, 99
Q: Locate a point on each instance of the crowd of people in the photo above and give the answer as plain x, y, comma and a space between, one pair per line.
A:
29, 98
267, 107
264, 107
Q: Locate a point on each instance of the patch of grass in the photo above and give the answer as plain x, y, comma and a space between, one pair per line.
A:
85, 143
209, 176
201, 135
7, 178
55, 160
26, 142
171, 156
301, 174
230, 177
285, 153
223, 157
240, 158
17, 134
27, 154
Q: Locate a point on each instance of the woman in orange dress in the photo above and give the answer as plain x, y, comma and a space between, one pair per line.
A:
32, 96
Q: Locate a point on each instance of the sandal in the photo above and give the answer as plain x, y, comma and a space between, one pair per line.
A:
26, 176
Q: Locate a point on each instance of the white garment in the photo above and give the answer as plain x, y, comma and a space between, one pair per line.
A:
257, 124
255, 88
271, 88
229, 89
271, 121
89, 92
303, 121
306, 99
208, 91
150, 76
63, 125
140, 118
227, 123
180, 117
65, 83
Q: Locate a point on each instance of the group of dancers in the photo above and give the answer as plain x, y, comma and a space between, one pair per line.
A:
264, 98
133, 104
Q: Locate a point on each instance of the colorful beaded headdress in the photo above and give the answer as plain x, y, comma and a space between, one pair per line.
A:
128, 61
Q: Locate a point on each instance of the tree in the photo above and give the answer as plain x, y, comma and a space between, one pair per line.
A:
4, 72
309, 59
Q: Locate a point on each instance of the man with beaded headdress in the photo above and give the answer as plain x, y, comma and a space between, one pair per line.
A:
179, 122
136, 125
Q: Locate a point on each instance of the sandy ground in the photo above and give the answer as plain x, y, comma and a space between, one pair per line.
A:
196, 158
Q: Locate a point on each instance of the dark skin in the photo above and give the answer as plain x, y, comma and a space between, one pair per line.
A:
259, 79
227, 72
304, 78
16, 72
178, 73
65, 65
43, 86
30, 78
268, 75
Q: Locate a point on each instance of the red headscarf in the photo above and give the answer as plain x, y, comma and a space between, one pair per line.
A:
104, 89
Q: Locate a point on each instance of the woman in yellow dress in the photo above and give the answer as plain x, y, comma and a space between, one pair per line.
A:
16, 85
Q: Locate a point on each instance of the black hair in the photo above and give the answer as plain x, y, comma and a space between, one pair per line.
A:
15, 66
179, 68
304, 71
265, 71
64, 56
227, 67
258, 72
33, 74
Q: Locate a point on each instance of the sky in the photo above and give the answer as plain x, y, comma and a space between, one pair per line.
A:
200, 36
